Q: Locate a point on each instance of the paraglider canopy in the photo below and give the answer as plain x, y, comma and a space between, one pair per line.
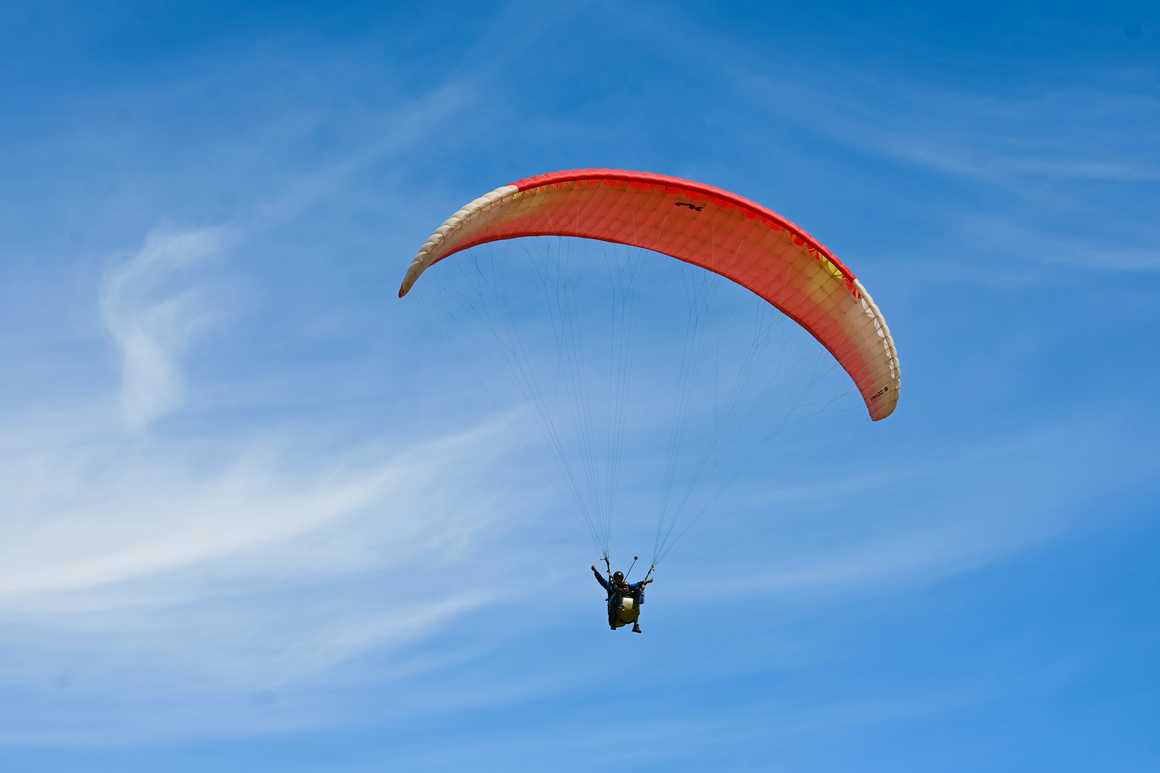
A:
702, 225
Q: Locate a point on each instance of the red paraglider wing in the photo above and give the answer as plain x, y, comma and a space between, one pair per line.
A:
699, 224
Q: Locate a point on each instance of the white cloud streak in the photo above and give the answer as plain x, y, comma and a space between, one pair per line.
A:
141, 572
90, 520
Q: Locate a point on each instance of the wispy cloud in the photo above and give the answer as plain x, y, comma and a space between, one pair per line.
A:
143, 570
1044, 126
1025, 490
1064, 134
101, 520
154, 317
1014, 237
158, 304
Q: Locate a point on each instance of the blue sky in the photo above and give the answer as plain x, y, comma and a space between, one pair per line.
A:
257, 514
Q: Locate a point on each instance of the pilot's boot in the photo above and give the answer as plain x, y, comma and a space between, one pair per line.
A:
636, 628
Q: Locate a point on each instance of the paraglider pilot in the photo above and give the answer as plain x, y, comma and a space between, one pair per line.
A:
624, 600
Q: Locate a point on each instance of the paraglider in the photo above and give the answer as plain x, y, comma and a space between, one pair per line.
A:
624, 599
703, 226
